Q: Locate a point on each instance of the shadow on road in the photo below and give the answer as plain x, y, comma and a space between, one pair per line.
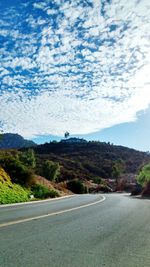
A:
140, 197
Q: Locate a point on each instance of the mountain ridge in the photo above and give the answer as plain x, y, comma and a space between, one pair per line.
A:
11, 140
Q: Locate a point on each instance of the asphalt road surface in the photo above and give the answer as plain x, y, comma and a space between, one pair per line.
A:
79, 231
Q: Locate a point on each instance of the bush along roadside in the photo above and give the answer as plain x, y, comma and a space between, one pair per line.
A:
42, 192
13, 193
17, 179
76, 186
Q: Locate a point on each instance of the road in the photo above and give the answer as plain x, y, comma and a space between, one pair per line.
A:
80, 231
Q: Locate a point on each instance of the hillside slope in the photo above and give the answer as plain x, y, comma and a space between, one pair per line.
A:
10, 192
90, 159
4, 177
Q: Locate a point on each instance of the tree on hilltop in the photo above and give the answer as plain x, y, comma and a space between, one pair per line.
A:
66, 134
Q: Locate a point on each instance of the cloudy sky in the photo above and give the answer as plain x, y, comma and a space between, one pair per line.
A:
79, 66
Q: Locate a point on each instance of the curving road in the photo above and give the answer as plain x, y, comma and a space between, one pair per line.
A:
82, 230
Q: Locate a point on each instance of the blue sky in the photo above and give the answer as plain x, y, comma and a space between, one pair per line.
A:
77, 66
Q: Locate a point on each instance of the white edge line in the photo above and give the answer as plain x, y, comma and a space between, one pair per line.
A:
34, 201
51, 214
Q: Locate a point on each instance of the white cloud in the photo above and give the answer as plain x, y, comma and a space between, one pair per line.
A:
52, 113
4, 71
23, 62
51, 12
40, 5
92, 69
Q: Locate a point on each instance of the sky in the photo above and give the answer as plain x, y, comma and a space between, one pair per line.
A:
78, 66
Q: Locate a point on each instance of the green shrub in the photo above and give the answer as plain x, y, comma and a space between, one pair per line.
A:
76, 187
50, 170
41, 191
28, 158
53, 193
13, 193
144, 176
97, 180
18, 172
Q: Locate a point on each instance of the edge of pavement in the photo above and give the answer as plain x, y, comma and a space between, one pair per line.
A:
35, 201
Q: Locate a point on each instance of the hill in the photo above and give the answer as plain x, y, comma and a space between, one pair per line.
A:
79, 166
9, 140
87, 160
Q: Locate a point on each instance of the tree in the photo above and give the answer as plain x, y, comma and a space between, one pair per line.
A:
28, 158
97, 180
51, 170
144, 179
77, 187
144, 176
66, 135
118, 169
19, 173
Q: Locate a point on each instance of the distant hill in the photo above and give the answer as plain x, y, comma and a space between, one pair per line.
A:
9, 140
86, 160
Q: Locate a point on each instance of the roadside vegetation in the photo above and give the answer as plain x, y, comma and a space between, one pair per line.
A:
41, 192
143, 178
17, 178
77, 187
11, 192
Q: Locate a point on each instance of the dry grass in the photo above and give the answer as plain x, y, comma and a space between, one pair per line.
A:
61, 187
4, 177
